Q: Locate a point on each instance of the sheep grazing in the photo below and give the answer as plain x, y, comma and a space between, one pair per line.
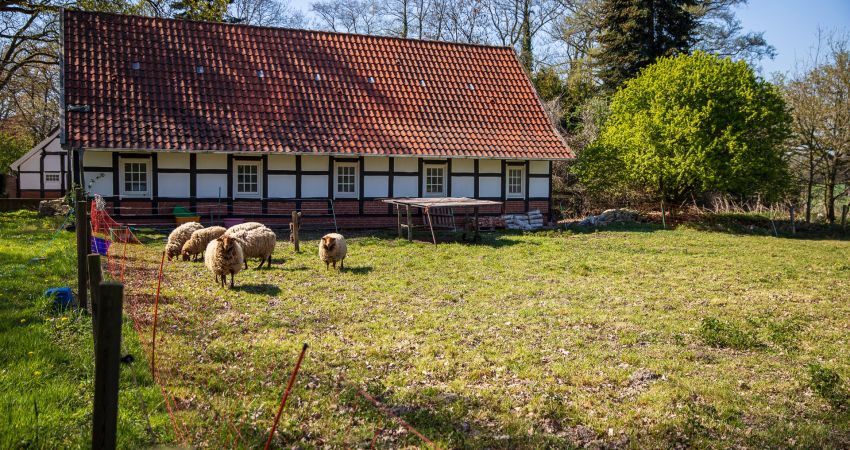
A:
256, 243
179, 236
244, 227
199, 240
332, 249
224, 256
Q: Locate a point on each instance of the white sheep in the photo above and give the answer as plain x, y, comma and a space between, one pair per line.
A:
199, 240
332, 249
243, 226
179, 236
224, 256
256, 243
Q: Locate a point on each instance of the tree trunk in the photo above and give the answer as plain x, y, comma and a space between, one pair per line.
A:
829, 200
809, 183
525, 54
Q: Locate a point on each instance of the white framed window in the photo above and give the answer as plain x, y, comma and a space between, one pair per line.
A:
515, 184
346, 181
434, 180
135, 177
247, 182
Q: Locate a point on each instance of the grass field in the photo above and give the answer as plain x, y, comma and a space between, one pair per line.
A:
46, 362
638, 337
626, 338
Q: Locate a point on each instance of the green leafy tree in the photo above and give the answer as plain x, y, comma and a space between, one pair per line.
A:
12, 147
637, 32
204, 10
688, 125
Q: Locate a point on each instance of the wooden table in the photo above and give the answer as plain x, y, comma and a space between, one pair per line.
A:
428, 205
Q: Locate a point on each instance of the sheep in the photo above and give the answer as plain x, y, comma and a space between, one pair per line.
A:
179, 236
256, 243
199, 240
223, 256
243, 226
332, 249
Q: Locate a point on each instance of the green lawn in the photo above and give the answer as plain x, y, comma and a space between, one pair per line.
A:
46, 362
628, 338
641, 338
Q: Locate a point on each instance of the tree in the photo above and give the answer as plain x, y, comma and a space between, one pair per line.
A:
12, 147
351, 16
637, 32
517, 23
267, 13
204, 10
720, 32
820, 98
689, 125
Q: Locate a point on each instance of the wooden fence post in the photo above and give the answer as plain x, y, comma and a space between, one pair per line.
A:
793, 222
82, 250
844, 210
409, 225
296, 225
106, 365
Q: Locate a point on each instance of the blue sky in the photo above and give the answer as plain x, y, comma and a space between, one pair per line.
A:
789, 25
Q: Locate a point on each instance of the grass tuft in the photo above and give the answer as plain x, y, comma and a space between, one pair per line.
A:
723, 334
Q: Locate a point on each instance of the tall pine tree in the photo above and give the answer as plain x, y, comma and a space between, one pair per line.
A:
637, 32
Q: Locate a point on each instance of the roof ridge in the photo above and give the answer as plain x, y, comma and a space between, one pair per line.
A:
307, 30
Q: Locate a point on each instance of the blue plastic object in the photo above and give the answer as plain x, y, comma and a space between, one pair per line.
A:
62, 297
100, 245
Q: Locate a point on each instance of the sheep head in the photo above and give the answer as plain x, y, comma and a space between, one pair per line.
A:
226, 244
328, 243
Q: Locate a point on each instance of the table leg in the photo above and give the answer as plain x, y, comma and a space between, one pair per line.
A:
398, 214
431, 225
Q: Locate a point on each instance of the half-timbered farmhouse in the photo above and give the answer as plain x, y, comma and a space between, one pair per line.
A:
251, 121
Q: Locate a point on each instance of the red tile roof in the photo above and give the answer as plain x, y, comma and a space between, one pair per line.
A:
161, 84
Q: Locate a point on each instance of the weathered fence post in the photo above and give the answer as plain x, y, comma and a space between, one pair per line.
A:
409, 225
663, 216
296, 225
82, 249
793, 222
110, 301
844, 210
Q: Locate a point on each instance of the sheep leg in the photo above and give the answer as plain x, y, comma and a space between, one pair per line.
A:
246, 263
334, 264
327, 265
262, 261
231, 279
341, 264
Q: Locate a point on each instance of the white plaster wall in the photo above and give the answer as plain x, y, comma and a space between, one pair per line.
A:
314, 185
463, 186
30, 180
173, 184
405, 186
376, 185
538, 167
376, 163
281, 186
281, 162
166, 160
97, 159
490, 186
102, 185
52, 163
209, 183
406, 165
211, 161
538, 187
490, 166
463, 166
31, 164
314, 163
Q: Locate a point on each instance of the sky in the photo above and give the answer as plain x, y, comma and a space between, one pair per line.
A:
789, 25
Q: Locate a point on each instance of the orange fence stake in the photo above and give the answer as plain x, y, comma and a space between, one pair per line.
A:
285, 396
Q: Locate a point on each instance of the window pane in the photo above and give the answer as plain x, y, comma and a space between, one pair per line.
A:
434, 180
346, 179
515, 181
247, 179
135, 177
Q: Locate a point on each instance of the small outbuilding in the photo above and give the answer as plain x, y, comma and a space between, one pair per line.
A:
43, 172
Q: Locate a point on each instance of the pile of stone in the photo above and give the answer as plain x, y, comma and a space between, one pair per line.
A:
53, 207
533, 220
610, 216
